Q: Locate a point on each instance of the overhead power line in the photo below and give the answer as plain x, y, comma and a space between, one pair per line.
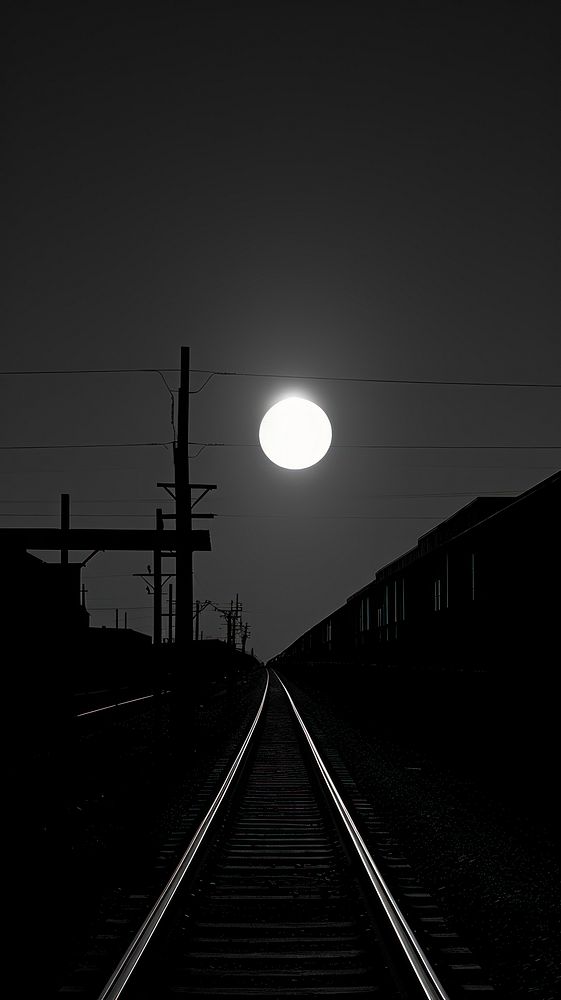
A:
388, 381
475, 383
90, 514
455, 447
122, 607
87, 371
50, 447
375, 517
352, 517
232, 444
160, 500
154, 500
495, 447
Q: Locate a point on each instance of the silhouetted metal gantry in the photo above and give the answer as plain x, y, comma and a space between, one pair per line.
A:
179, 542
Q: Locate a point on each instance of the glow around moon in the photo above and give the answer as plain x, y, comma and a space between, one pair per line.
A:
295, 433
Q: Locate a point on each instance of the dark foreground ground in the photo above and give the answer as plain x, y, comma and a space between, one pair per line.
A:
472, 802
99, 799
471, 789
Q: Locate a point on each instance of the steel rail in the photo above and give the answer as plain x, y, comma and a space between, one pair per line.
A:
120, 977
115, 704
420, 965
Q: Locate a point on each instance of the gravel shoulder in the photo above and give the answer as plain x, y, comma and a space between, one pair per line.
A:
494, 871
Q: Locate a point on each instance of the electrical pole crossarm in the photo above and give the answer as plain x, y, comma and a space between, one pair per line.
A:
91, 555
205, 489
172, 517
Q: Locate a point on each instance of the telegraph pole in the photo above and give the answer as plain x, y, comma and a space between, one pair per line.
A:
158, 581
64, 523
170, 614
183, 516
183, 522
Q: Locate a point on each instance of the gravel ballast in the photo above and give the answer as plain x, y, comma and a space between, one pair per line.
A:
494, 871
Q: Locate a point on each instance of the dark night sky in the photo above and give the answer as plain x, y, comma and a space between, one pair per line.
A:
336, 189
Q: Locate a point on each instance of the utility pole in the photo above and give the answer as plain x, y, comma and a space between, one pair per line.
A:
182, 489
64, 523
170, 614
183, 520
199, 608
155, 582
158, 581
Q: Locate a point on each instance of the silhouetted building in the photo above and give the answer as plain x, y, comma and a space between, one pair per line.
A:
40, 601
480, 589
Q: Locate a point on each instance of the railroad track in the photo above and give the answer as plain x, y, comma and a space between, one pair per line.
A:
276, 895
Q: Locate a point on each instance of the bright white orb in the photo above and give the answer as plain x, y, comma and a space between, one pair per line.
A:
295, 433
